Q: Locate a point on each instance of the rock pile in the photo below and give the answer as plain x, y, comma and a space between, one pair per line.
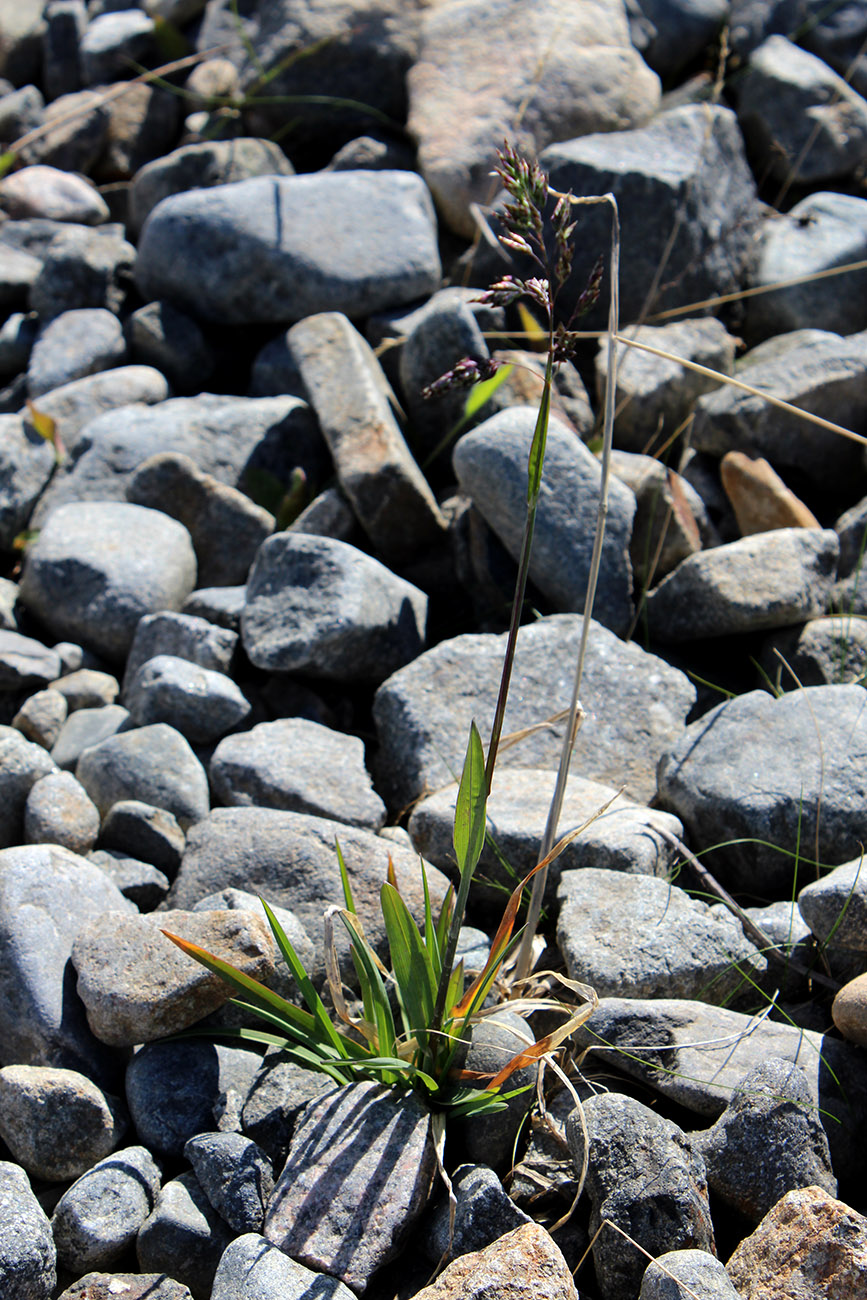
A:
254, 589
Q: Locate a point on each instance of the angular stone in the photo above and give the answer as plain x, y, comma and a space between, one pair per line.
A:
319, 606
41, 717
525, 1264
85, 728
83, 267
152, 764
112, 41
343, 1205
235, 1175
635, 706
277, 1096
483, 1213
98, 1217
151, 834
137, 1286
644, 1176
760, 499
353, 402
252, 1269
372, 245
184, 1236
200, 704
494, 1042
809, 1243
184, 636
56, 1122
226, 527
27, 1253
137, 985
161, 336
466, 88
87, 688
835, 907
26, 662
635, 936
799, 780
300, 766
766, 580
625, 837
138, 881
767, 1142
85, 586
491, 466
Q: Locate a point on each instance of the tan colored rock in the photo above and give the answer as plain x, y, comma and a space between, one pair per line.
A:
523, 1265
57, 1123
809, 1247
136, 985
760, 499
849, 1010
533, 73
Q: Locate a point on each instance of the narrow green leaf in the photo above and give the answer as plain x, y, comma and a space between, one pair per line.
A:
344, 878
444, 921
320, 1013
7, 161
382, 1015
540, 438
410, 963
431, 941
469, 828
482, 392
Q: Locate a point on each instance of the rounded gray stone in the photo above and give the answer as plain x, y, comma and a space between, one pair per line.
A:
27, 1252
153, 764
235, 1175
22, 764
251, 1268
202, 705
84, 728
59, 811
687, 1275
41, 717
835, 907
98, 1217
183, 1236
76, 343
97, 567
56, 1122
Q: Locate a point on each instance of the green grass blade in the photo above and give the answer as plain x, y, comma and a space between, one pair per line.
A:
469, 828
540, 436
382, 1015
412, 967
431, 942
344, 879
325, 1029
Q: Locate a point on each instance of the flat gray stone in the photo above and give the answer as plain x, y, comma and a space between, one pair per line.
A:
626, 837
138, 1286
636, 706
84, 728
372, 246
26, 662
27, 1252
251, 1268
491, 465
697, 1055
85, 587
137, 985
319, 606
767, 580
98, 1217
353, 402
635, 936
777, 772
57, 1123
343, 1203
153, 764
74, 405
819, 372
202, 705
300, 766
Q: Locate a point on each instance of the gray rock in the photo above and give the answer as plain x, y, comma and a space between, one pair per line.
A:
835, 907
18, 274
290, 859
671, 33
17, 336
74, 344
65, 22
465, 89
184, 1236
654, 395
138, 881
321, 1212
27, 1253
798, 781
252, 1269
137, 1286
175, 1090
74, 405
353, 401
153, 764
823, 231
330, 515
112, 41
320, 606
22, 764
200, 704
240, 900
300, 766
46, 895
823, 652
26, 464
202, 166
226, 527
235, 1175
671, 521
145, 832
161, 336
228, 437
635, 706
85, 728
75, 131
138, 986
768, 1141
766, 580
491, 466
98, 1217
644, 1176
87, 688
275, 371
694, 150
59, 811
82, 268
279, 1093
41, 717
25, 662
623, 838
8, 601
483, 1213
373, 245
58, 195
490, 1139
821, 373
635, 936
20, 110
56, 1122
83, 585
804, 123
222, 606
697, 1055
686, 1275
184, 636
851, 528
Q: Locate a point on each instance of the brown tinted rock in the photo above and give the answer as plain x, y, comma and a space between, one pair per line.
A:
56, 1122
525, 1264
759, 497
850, 1010
126, 1286
809, 1247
